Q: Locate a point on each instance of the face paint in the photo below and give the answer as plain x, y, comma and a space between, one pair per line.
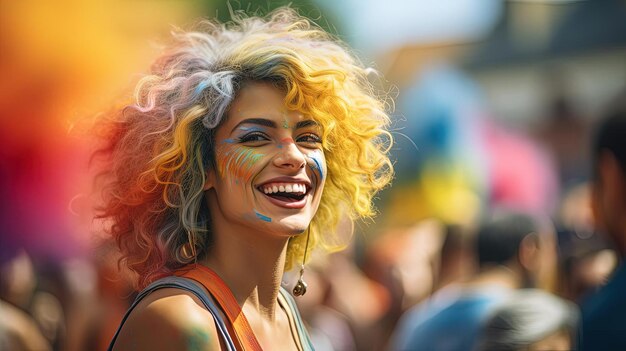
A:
251, 129
237, 162
262, 217
198, 339
249, 152
318, 160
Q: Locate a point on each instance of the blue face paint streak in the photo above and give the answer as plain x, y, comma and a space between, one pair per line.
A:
319, 167
249, 129
262, 217
318, 164
230, 141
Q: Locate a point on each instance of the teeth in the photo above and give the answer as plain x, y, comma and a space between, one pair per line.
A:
285, 188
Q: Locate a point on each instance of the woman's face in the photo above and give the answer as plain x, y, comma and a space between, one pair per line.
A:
270, 164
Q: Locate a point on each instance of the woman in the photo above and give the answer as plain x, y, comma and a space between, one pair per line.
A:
242, 150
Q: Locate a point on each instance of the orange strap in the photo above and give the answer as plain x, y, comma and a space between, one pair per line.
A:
224, 297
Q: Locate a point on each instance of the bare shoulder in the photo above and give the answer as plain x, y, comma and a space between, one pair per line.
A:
169, 319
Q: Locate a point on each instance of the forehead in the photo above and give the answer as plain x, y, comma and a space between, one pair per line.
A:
260, 100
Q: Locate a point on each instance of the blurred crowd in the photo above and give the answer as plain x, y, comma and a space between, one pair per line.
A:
487, 239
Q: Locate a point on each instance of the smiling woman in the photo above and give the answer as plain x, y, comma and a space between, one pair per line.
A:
241, 151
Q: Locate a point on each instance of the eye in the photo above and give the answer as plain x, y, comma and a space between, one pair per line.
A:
309, 138
254, 137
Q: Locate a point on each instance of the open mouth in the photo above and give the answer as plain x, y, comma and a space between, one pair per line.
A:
290, 195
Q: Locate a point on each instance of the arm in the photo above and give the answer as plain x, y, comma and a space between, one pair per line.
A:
169, 319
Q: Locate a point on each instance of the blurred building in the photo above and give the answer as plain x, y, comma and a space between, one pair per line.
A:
545, 49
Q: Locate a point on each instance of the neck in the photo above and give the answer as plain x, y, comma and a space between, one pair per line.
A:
500, 275
251, 264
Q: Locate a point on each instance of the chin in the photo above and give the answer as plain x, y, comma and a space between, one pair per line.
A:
291, 225
298, 231
293, 229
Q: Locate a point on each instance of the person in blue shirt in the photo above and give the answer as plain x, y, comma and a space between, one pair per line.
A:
604, 313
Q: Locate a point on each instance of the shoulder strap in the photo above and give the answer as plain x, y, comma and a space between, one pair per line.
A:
224, 297
305, 340
187, 285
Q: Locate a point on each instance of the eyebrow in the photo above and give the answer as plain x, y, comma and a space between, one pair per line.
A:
258, 121
271, 124
307, 123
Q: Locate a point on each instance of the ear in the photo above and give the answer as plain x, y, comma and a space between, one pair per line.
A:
611, 178
529, 252
210, 179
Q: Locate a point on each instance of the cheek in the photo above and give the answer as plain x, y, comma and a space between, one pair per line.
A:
237, 163
317, 162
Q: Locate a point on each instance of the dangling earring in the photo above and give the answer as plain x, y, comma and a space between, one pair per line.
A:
188, 251
300, 288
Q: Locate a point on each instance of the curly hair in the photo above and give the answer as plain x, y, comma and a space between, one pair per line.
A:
159, 147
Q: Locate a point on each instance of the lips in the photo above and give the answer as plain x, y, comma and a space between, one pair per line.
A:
286, 194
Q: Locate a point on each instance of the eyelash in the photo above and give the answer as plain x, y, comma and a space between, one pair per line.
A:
261, 137
316, 139
252, 137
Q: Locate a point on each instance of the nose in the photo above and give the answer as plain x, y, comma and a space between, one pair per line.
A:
289, 156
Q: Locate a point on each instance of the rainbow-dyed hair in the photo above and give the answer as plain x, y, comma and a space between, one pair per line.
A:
160, 147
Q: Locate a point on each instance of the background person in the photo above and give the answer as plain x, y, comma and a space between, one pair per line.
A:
531, 320
604, 313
